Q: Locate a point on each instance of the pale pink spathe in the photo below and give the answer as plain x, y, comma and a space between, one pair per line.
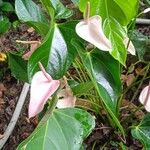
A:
41, 90
143, 96
91, 31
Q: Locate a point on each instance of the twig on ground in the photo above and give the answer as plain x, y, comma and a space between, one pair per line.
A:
143, 21
16, 114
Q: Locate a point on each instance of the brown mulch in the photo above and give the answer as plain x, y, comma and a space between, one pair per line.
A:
10, 90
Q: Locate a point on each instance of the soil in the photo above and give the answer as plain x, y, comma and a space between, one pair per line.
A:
102, 135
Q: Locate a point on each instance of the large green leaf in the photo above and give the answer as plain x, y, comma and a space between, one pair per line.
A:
100, 66
52, 53
28, 11
142, 132
122, 10
68, 31
18, 67
64, 130
56, 52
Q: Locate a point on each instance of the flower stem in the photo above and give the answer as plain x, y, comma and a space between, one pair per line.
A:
44, 71
87, 12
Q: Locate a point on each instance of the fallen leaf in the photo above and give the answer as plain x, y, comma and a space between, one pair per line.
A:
2, 87
33, 47
128, 79
30, 30
66, 98
1, 136
140, 71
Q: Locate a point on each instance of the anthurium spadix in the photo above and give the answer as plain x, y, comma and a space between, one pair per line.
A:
90, 29
144, 97
42, 87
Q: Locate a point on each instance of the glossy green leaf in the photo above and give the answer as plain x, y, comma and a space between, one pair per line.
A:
28, 11
100, 66
64, 130
56, 52
142, 132
129, 8
68, 31
52, 53
18, 67
116, 34
123, 11
4, 24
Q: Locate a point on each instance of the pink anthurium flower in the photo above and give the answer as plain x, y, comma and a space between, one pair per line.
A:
42, 87
144, 97
91, 30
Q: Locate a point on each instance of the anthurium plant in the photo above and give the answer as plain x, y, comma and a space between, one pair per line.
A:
105, 25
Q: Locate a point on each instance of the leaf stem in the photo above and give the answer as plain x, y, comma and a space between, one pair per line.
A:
134, 96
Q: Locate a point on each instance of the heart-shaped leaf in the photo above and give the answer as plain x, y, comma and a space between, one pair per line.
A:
142, 131
65, 129
42, 87
123, 11
52, 53
56, 52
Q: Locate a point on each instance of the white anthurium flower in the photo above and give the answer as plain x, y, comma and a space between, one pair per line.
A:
146, 10
91, 30
144, 97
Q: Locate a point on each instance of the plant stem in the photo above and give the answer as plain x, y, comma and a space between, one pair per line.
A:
134, 96
51, 109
